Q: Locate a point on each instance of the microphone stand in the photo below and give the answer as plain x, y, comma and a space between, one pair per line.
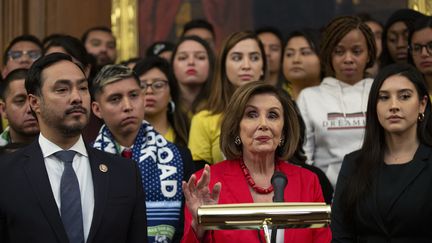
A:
273, 235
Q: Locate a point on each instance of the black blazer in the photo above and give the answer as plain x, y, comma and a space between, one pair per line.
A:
29, 213
410, 213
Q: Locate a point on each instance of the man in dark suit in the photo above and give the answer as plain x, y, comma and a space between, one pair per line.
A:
45, 196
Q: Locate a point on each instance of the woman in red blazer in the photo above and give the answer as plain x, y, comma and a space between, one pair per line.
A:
260, 128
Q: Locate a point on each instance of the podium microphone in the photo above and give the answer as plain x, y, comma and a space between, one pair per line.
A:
279, 182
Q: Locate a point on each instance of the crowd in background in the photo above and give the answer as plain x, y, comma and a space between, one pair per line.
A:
319, 95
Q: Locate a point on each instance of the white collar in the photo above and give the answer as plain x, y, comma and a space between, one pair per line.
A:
48, 148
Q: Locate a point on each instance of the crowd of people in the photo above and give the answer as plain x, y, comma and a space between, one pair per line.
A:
94, 151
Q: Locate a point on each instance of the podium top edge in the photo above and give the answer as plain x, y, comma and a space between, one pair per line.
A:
259, 205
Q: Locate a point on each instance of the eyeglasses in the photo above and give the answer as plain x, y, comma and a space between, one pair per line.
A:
417, 49
157, 86
32, 54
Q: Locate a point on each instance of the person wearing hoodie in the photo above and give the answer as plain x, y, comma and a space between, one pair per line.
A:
334, 111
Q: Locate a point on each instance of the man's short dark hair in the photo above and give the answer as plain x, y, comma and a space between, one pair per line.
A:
33, 81
16, 74
199, 24
29, 38
272, 30
97, 28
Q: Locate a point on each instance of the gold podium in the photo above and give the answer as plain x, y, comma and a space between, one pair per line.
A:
264, 216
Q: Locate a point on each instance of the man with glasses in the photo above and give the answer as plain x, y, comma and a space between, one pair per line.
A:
120, 102
22, 51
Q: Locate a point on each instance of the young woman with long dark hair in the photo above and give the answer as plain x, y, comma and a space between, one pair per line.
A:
384, 190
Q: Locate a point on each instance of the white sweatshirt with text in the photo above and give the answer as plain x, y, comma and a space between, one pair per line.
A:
334, 114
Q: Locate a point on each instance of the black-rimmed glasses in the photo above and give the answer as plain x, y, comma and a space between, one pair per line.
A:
156, 86
416, 49
32, 54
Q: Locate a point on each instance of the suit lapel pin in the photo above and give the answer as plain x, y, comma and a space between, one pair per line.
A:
103, 168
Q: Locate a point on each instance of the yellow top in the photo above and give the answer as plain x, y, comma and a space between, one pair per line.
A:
204, 137
4, 123
170, 135
287, 87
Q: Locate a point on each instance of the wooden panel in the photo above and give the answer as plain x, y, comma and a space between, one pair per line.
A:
36, 18
74, 17
44, 17
11, 21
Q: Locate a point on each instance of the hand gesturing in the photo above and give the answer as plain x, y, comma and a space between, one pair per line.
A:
198, 194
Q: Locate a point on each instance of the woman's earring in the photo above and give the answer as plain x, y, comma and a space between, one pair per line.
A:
421, 117
237, 140
171, 106
281, 142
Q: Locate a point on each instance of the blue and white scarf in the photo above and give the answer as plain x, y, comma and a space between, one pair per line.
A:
161, 169
5, 138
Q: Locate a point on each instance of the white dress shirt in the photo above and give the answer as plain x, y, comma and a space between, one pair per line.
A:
81, 166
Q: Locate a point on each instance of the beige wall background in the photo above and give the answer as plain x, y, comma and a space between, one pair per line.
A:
44, 17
